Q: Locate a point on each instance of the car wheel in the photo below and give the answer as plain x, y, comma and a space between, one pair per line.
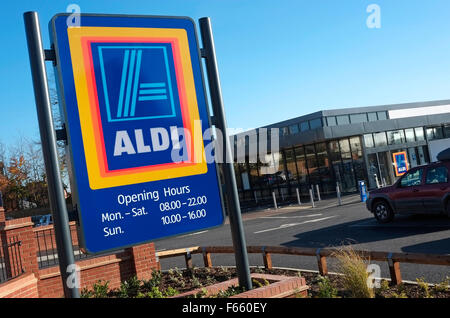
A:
383, 212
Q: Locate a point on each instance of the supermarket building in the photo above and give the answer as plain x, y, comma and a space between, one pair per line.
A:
345, 146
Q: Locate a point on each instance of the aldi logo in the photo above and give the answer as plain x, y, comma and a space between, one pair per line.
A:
129, 92
134, 95
400, 160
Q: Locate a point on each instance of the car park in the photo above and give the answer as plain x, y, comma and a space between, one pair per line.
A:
423, 189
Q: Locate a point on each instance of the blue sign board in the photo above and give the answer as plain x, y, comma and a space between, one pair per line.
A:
134, 105
400, 163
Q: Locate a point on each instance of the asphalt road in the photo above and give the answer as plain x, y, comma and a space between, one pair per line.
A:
323, 226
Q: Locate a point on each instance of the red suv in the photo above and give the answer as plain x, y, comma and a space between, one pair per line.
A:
424, 189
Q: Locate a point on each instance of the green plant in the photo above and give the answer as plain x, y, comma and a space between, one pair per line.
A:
154, 293
257, 283
176, 277
225, 271
196, 282
210, 280
424, 287
203, 293
154, 281
443, 286
354, 268
85, 293
130, 287
178, 272
326, 288
401, 288
230, 291
398, 295
100, 289
259, 270
169, 292
384, 288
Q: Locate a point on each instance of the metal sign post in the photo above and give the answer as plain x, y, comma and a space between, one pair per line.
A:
237, 230
49, 148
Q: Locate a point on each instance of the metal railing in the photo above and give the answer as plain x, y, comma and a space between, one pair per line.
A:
321, 254
47, 253
10, 259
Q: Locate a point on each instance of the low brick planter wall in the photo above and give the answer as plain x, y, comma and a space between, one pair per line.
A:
279, 287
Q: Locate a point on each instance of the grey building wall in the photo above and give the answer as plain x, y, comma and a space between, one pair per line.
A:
336, 132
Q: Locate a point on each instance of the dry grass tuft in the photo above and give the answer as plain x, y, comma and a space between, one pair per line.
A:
354, 268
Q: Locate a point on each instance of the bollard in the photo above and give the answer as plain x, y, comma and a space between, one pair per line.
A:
318, 192
376, 181
311, 196
362, 190
298, 197
338, 192
274, 201
255, 196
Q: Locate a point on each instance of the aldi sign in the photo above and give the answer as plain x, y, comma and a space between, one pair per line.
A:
400, 163
134, 105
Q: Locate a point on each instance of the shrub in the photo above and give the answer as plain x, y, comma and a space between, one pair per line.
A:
354, 268
170, 292
99, 290
130, 287
154, 281
326, 288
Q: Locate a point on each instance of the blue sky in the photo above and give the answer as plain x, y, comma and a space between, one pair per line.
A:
277, 59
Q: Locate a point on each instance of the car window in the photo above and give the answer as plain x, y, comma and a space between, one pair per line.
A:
412, 178
437, 175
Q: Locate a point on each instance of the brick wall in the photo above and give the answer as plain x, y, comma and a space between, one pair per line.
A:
24, 286
137, 261
113, 268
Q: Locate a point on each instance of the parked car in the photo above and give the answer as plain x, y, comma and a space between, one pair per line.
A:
423, 189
